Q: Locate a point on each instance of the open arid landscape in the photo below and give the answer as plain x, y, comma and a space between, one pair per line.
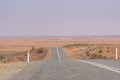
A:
13, 51
76, 45
13, 54
13, 45
94, 48
59, 39
92, 51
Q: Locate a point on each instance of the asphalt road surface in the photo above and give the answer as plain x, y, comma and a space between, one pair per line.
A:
62, 68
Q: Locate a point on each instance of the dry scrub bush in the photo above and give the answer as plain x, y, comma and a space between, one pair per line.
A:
97, 56
35, 54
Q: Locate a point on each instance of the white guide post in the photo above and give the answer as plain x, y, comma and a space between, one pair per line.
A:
116, 54
28, 56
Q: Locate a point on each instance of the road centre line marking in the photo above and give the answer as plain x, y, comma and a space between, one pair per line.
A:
58, 53
101, 66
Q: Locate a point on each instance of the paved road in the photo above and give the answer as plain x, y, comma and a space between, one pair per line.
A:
109, 62
61, 68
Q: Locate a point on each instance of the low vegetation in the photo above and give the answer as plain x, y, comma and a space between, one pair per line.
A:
97, 56
35, 55
91, 51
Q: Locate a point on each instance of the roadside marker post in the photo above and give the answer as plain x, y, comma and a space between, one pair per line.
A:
28, 56
116, 53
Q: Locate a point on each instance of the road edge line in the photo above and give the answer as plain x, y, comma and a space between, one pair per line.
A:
101, 66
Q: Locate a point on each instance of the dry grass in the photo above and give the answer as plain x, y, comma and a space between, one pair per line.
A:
18, 45
36, 54
11, 64
14, 50
12, 45
91, 51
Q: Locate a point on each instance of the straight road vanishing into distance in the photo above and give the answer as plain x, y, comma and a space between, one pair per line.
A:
62, 68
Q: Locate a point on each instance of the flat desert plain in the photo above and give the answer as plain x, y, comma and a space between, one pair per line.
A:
74, 47
11, 45
93, 48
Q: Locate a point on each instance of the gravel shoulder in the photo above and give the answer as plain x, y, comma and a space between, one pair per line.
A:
8, 70
11, 69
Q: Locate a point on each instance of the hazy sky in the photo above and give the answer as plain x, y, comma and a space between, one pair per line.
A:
59, 17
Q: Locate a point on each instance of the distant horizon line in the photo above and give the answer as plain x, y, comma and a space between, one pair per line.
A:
60, 36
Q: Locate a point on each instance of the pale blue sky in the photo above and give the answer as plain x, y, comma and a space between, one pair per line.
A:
59, 17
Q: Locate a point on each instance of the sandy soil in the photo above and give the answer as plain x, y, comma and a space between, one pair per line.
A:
10, 69
48, 55
88, 51
14, 45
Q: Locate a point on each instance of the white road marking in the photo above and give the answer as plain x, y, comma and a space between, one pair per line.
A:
101, 66
58, 54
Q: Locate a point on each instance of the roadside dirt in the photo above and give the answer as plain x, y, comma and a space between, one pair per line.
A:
36, 54
11, 64
18, 47
48, 55
13, 45
91, 51
8, 70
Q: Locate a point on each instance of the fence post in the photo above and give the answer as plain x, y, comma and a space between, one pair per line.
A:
28, 56
116, 54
